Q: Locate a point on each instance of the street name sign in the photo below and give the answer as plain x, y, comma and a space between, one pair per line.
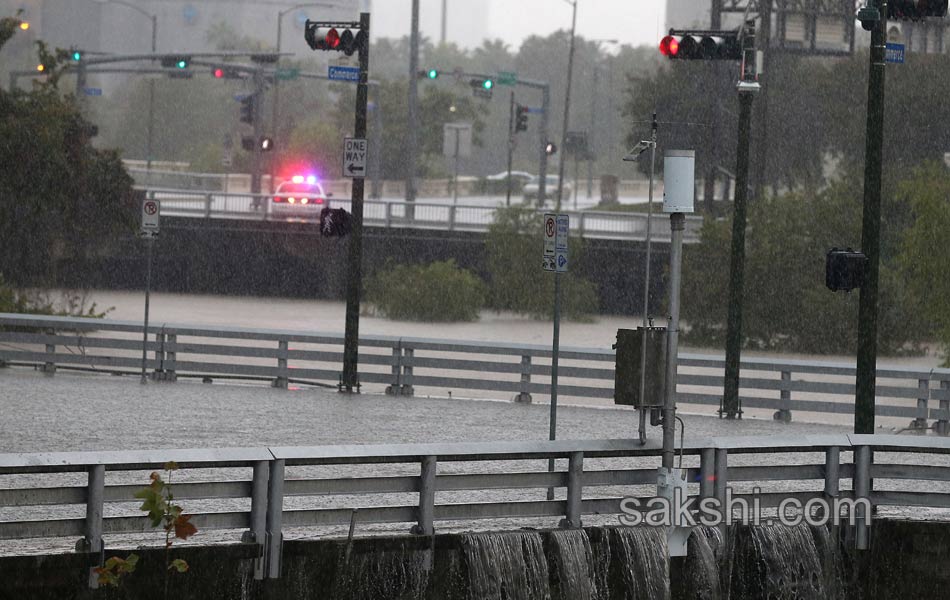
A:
92, 91
507, 78
354, 157
894, 53
151, 213
342, 73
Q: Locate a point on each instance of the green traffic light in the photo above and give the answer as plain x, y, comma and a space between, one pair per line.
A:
77, 55
182, 64
432, 73
488, 84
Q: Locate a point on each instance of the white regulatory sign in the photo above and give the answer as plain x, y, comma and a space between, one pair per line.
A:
151, 213
354, 157
554, 250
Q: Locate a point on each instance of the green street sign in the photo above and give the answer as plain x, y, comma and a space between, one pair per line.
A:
507, 78
288, 73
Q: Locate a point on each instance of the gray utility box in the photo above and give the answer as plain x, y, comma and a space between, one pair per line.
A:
629, 347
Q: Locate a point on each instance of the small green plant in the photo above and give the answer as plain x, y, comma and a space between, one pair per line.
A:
440, 291
158, 502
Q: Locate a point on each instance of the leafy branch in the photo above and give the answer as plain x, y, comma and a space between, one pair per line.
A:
158, 501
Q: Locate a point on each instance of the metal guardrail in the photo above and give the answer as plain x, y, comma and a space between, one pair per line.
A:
417, 215
415, 484
401, 364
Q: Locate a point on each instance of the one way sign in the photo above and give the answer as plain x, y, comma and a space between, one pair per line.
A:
354, 157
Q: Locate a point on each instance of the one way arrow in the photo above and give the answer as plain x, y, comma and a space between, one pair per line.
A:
354, 169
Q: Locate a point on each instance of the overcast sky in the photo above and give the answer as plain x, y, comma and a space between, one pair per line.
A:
628, 21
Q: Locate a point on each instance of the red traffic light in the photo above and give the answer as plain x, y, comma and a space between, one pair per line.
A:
332, 39
670, 46
219, 73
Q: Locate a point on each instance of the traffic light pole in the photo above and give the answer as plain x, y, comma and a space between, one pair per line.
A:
747, 87
354, 280
567, 114
256, 117
864, 409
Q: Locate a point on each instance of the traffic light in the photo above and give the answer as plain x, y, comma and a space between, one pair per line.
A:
334, 222
845, 269
41, 67
431, 73
482, 87
226, 72
701, 45
24, 25
324, 36
266, 144
914, 10
76, 55
176, 61
550, 148
249, 109
521, 118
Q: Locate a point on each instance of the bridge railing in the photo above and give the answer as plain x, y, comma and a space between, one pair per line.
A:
267, 494
420, 215
399, 365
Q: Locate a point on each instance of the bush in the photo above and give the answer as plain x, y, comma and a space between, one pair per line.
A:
517, 282
440, 292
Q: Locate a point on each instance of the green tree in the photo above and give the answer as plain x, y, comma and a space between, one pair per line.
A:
440, 291
786, 305
925, 252
518, 283
59, 196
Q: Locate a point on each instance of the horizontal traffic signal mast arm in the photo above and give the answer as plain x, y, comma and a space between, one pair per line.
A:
447, 74
158, 56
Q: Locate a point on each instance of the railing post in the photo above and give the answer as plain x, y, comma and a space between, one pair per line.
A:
575, 491
942, 426
425, 526
208, 206
923, 396
258, 531
171, 357
832, 471
274, 538
395, 388
707, 472
524, 395
389, 214
159, 355
406, 389
721, 476
49, 366
451, 218
92, 542
281, 381
862, 489
784, 413
581, 223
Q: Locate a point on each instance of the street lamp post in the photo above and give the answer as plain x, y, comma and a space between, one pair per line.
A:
590, 134
276, 108
151, 84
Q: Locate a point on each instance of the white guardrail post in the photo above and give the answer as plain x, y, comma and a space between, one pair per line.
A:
171, 357
425, 524
524, 395
258, 530
942, 425
923, 396
784, 413
862, 489
575, 491
49, 366
92, 541
407, 389
208, 201
395, 387
282, 374
274, 537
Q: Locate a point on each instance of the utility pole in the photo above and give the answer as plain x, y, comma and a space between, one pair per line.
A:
871, 231
354, 280
747, 88
543, 159
256, 157
412, 141
444, 21
590, 138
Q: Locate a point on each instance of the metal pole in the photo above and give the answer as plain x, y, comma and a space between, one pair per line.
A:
455, 180
148, 288
256, 157
444, 20
412, 139
590, 139
577, 174
377, 155
354, 278
677, 225
151, 110
567, 110
276, 108
555, 346
871, 233
543, 160
747, 88
646, 284
511, 146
